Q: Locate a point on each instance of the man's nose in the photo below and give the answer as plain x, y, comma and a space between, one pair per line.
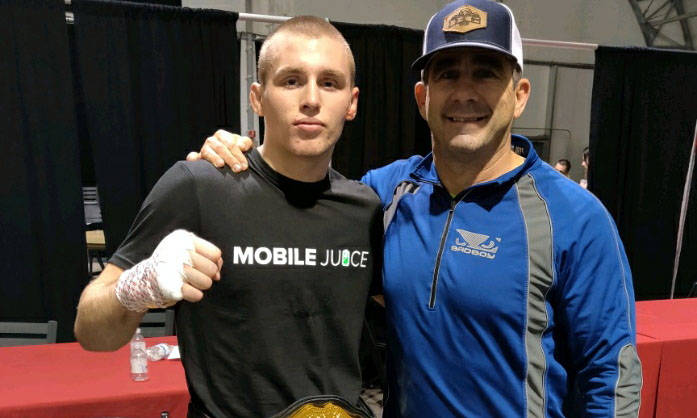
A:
464, 88
311, 99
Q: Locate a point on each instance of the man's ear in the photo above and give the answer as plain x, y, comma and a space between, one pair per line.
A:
522, 94
353, 106
420, 93
255, 93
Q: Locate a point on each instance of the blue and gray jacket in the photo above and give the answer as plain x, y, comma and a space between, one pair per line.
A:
512, 299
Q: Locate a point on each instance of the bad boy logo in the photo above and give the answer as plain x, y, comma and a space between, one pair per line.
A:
464, 19
476, 244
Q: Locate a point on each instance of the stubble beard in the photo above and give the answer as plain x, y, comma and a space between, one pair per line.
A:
470, 148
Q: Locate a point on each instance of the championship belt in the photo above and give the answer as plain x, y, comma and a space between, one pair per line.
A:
323, 406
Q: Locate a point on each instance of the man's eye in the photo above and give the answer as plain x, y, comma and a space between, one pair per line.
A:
447, 75
484, 73
291, 82
329, 84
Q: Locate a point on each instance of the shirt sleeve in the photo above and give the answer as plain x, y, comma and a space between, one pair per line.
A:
171, 204
596, 310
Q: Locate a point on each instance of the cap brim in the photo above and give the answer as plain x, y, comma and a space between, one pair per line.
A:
421, 62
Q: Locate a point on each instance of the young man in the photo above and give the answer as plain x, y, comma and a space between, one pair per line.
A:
281, 324
507, 289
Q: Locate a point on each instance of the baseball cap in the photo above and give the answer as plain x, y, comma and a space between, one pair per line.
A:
472, 23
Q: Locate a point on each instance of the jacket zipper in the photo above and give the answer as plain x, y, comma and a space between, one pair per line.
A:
444, 235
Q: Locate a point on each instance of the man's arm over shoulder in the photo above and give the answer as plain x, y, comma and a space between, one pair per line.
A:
596, 308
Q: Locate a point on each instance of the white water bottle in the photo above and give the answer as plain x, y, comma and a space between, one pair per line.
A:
139, 358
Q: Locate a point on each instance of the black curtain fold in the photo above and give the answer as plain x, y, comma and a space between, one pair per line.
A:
152, 83
642, 124
388, 125
42, 240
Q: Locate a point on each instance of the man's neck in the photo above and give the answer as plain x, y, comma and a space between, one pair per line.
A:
305, 169
459, 172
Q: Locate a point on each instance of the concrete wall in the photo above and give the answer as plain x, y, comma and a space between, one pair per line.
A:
561, 96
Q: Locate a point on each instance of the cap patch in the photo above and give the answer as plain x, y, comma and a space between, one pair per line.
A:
464, 19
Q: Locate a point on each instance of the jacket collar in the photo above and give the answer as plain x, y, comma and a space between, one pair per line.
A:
426, 170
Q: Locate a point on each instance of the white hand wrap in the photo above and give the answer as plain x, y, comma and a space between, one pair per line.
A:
157, 281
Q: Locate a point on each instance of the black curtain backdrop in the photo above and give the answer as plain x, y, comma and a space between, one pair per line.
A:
643, 116
388, 125
43, 266
154, 82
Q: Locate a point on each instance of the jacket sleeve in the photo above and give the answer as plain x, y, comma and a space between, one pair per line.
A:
375, 180
595, 308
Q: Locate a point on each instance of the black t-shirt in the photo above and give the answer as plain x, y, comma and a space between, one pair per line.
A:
285, 320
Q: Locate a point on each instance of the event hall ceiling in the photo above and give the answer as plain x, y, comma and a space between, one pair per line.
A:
667, 23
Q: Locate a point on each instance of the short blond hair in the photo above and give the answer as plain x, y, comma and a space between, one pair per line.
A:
310, 26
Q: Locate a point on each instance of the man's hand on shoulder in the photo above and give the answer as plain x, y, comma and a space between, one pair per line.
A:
224, 148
